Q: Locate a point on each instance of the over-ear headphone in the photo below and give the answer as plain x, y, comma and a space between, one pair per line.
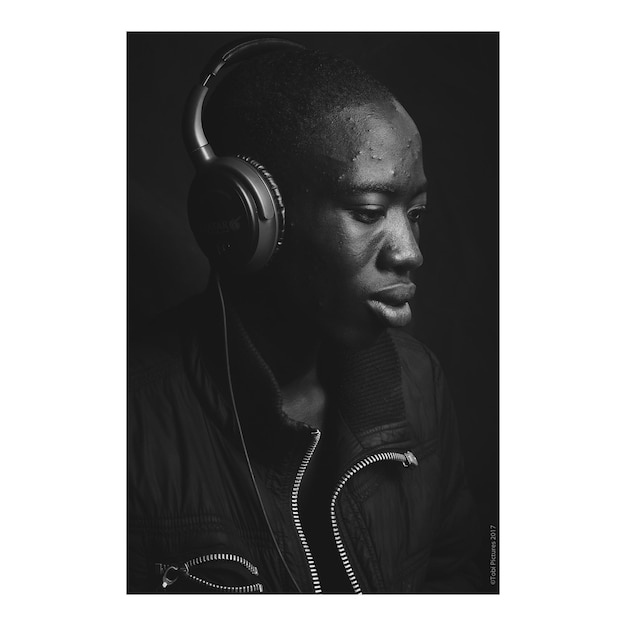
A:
235, 208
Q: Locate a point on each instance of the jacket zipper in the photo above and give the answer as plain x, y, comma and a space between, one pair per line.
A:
171, 573
317, 588
407, 459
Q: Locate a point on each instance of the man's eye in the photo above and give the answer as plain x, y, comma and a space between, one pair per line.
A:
414, 213
367, 216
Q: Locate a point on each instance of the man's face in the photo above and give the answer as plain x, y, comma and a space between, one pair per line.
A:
354, 230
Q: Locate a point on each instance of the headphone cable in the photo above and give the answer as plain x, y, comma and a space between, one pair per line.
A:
243, 441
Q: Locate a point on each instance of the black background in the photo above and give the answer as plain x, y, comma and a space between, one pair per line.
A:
448, 82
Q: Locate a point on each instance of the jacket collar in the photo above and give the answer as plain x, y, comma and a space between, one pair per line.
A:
364, 386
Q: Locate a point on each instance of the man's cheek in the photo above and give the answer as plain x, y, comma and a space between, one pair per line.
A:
366, 248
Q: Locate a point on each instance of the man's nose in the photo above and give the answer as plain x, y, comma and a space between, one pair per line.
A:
400, 251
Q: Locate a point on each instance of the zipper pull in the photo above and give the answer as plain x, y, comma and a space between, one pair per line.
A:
171, 574
410, 460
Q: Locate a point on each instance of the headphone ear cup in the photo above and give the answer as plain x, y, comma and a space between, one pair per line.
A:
277, 199
236, 213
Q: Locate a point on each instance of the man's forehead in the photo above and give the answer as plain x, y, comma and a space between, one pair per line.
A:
371, 127
366, 145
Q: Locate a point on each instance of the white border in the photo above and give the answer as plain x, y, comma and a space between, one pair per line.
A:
63, 322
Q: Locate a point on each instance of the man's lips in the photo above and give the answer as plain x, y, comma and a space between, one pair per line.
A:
395, 295
391, 304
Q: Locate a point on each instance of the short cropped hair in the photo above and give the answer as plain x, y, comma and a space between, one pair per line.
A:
270, 108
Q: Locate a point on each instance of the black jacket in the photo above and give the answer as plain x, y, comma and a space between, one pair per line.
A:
399, 511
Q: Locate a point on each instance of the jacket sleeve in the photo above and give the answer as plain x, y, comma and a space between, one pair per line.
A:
452, 567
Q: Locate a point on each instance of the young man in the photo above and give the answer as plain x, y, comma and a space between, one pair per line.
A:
284, 434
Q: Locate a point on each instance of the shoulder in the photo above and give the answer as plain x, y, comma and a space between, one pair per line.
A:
157, 349
169, 394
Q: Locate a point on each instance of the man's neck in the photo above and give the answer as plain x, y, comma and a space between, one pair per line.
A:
304, 400
290, 347
293, 359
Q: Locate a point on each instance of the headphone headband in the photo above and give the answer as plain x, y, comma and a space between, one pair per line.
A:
193, 134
